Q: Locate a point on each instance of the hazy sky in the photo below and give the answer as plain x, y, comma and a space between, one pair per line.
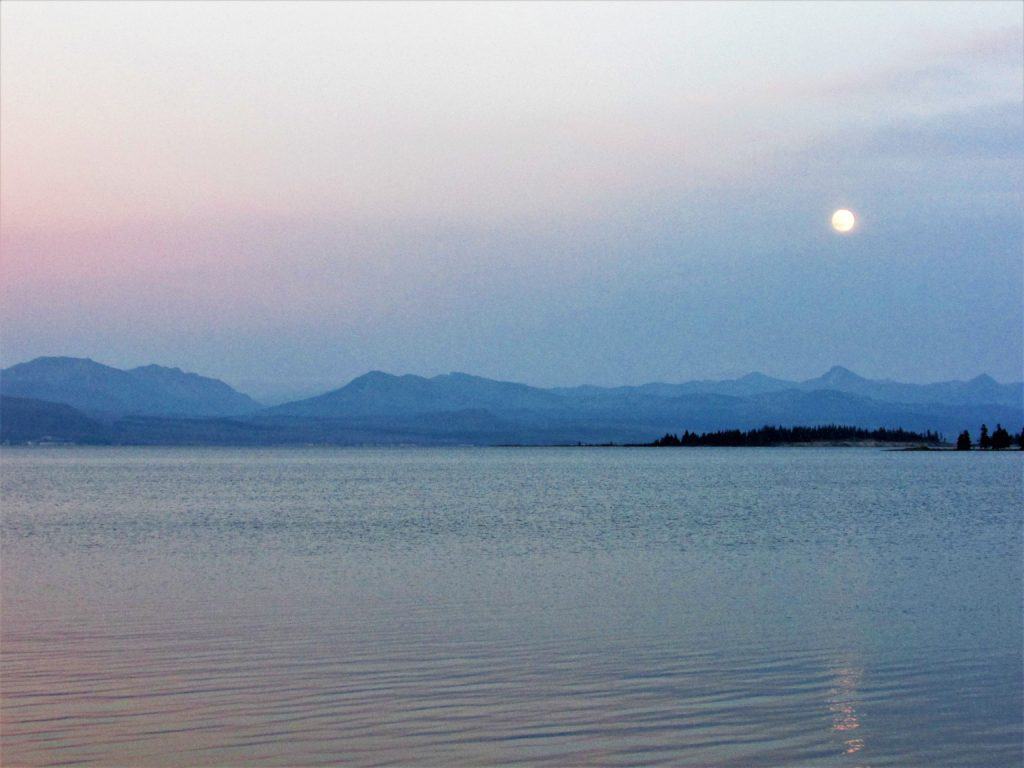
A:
288, 195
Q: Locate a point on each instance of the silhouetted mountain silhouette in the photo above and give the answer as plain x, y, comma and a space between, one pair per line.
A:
380, 407
101, 389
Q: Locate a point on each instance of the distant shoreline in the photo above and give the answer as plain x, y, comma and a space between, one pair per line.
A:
894, 447
821, 444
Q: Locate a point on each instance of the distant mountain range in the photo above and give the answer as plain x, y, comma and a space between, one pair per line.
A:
98, 389
979, 390
75, 400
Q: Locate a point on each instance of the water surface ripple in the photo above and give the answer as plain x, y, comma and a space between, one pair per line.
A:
562, 607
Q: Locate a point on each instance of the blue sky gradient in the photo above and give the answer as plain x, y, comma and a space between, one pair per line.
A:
285, 196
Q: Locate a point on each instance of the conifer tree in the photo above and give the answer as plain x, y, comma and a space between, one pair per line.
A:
1000, 439
963, 443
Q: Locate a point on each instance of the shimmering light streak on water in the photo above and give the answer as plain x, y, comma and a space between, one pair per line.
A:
524, 606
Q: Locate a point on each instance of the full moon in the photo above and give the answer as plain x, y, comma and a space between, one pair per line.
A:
843, 220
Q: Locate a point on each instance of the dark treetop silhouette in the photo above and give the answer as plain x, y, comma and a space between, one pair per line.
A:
768, 435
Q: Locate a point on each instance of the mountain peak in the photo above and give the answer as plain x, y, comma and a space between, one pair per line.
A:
61, 361
838, 373
150, 390
381, 381
57, 367
375, 375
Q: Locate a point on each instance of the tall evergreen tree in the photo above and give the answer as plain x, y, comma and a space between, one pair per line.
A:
963, 443
1001, 439
984, 441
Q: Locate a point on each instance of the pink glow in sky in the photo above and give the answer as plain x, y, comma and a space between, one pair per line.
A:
178, 178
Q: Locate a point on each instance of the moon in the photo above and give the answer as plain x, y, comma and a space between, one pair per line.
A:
843, 220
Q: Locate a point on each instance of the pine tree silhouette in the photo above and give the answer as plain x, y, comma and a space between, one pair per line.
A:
963, 443
984, 441
769, 435
1001, 439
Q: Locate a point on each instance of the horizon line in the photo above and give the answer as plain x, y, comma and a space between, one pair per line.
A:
426, 377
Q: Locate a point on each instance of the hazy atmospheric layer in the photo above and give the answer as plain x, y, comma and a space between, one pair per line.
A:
607, 193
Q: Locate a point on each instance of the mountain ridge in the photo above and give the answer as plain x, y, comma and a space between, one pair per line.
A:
163, 405
98, 389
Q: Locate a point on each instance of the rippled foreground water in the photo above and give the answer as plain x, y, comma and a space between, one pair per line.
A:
560, 607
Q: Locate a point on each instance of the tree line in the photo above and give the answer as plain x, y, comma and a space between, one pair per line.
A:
769, 435
999, 440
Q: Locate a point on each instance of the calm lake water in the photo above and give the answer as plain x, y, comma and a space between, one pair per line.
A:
562, 607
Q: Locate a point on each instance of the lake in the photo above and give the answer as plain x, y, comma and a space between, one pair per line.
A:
557, 607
